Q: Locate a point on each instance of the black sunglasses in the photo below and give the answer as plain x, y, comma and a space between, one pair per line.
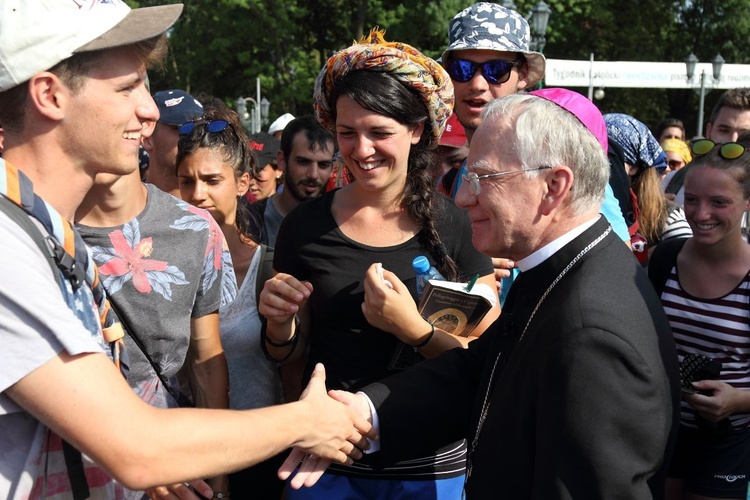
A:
212, 126
495, 71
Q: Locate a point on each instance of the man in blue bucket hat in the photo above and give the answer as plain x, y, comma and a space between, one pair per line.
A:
488, 57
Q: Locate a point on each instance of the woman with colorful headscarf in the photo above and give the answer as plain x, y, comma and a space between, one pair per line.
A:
387, 104
644, 159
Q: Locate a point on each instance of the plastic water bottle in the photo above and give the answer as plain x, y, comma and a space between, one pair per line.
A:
425, 272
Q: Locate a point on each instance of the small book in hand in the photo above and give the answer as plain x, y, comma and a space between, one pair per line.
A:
454, 308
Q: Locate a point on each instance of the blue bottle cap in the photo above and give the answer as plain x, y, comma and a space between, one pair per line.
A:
421, 264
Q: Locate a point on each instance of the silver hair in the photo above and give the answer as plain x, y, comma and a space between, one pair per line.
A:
547, 134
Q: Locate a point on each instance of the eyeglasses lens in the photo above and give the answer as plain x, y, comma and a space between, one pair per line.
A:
732, 150
186, 128
216, 126
475, 186
702, 146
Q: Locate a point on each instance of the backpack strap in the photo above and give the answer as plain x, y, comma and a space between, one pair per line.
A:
73, 458
66, 252
265, 272
256, 212
662, 261
17, 215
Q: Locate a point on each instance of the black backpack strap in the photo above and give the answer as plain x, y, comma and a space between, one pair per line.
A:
256, 213
662, 261
265, 271
73, 458
17, 215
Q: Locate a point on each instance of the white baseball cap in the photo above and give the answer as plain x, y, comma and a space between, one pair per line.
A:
36, 35
280, 122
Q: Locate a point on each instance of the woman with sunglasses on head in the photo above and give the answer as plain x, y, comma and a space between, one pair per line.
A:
214, 164
387, 104
704, 282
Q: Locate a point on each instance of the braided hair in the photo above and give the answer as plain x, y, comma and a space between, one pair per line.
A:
383, 94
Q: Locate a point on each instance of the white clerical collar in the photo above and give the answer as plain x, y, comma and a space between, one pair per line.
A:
549, 249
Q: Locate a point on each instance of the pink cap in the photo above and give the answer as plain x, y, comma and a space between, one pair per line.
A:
583, 109
454, 134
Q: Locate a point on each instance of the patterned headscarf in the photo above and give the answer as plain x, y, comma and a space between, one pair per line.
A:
678, 146
639, 145
403, 62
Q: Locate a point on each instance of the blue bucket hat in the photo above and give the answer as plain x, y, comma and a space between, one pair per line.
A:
490, 26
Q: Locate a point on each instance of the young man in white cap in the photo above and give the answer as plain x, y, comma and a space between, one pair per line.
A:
277, 127
73, 105
175, 108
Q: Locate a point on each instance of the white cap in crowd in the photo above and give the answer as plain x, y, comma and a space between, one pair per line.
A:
36, 35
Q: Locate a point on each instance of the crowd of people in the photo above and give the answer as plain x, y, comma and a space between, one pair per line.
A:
245, 322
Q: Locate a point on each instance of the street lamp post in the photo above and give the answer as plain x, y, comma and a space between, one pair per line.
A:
716, 63
248, 118
538, 20
253, 119
265, 105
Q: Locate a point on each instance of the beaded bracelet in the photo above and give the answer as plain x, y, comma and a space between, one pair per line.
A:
425, 341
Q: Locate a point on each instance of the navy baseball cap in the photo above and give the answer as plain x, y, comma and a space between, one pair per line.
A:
177, 107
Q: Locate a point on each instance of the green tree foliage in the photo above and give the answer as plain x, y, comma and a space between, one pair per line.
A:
220, 47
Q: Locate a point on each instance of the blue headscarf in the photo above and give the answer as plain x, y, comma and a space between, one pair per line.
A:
639, 146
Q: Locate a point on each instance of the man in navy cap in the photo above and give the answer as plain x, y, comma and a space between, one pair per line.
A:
175, 108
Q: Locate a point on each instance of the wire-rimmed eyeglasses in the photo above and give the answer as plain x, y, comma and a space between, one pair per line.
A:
473, 179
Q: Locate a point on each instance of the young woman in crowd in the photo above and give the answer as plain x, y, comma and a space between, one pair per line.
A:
214, 167
266, 177
678, 154
644, 158
387, 104
705, 289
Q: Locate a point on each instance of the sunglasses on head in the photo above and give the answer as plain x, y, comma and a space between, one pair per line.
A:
496, 71
728, 151
212, 126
